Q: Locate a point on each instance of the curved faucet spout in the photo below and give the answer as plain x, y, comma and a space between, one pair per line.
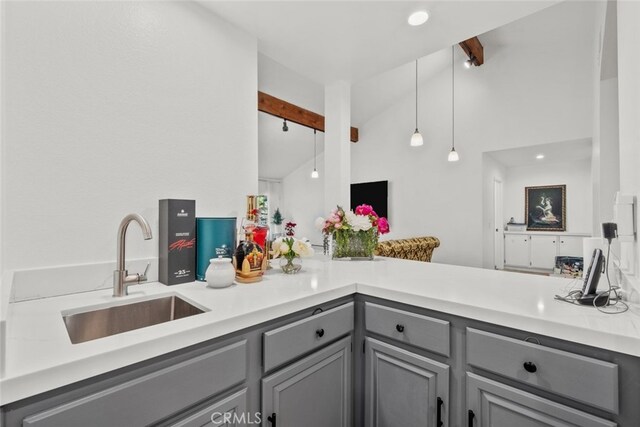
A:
121, 277
144, 225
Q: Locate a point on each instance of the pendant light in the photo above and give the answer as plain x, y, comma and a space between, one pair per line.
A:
416, 138
453, 154
314, 174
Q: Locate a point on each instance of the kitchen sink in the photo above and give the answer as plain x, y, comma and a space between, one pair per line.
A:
104, 322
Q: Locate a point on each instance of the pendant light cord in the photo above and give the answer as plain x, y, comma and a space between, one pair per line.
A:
453, 103
314, 149
416, 94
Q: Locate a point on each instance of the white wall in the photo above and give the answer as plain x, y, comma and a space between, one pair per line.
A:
519, 97
111, 106
609, 165
303, 199
575, 175
629, 111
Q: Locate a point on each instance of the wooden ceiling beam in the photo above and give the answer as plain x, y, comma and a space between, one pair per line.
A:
291, 112
474, 50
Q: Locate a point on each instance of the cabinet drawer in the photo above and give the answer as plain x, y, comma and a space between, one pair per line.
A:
297, 338
420, 331
577, 377
228, 412
154, 396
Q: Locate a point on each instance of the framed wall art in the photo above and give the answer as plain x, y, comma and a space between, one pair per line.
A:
546, 208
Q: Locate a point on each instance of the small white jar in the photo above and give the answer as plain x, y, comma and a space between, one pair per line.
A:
220, 273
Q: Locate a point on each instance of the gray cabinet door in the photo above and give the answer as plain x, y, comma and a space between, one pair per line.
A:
403, 388
314, 392
493, 404
228, 412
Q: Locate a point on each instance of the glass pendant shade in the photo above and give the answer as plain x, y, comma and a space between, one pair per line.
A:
453, 154
416, 139
314, 173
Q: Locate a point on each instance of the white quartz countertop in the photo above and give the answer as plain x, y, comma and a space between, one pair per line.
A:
39, 355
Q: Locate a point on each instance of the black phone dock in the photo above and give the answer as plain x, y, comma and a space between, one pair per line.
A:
589, 300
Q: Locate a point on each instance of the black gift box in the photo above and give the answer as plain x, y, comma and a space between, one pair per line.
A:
177, 252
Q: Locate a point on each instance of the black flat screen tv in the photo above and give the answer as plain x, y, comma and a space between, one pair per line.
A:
371, 193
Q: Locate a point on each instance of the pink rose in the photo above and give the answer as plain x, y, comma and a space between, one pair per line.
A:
364, 210
337, 225
383, 225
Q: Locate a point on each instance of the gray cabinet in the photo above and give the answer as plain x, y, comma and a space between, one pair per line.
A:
302, 370
230, 411
149, 398
493, 404
313, 392
420, 331
295, 339
583, 379
403, 388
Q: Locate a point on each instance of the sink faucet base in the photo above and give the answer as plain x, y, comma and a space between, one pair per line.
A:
121, 277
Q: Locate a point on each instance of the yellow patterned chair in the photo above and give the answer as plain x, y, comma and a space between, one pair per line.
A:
416, 248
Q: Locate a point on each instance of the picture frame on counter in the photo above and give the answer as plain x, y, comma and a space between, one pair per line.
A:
546, 208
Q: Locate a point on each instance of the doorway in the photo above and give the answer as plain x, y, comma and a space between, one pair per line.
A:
498, 226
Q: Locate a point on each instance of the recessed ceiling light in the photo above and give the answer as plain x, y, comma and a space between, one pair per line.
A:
540, 156
418, 18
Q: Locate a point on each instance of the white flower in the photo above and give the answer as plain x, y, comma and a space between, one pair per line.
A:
275, 247
319, 223
284, 248
358, 222
302, 248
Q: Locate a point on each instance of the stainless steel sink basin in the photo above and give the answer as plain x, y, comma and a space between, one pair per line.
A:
91, 325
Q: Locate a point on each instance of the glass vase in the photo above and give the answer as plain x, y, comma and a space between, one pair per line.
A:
354, 245
290, 265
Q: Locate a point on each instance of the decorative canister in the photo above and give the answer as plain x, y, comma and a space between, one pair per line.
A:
220, 273
215, 237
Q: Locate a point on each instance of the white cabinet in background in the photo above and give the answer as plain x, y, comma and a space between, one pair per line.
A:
570, 246
516, 250
543, 252
539, 251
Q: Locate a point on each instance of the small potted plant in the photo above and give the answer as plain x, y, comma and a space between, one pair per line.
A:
276, 220
290, 250
354, 233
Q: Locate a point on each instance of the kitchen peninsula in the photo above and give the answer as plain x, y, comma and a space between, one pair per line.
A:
471, 328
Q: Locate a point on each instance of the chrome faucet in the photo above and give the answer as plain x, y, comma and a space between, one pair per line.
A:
121, 278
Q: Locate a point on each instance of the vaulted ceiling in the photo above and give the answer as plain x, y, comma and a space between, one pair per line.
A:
354, 40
